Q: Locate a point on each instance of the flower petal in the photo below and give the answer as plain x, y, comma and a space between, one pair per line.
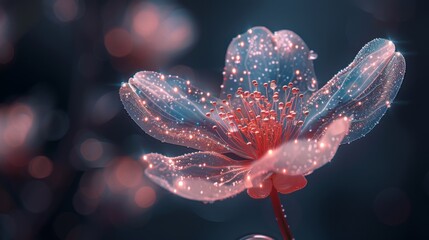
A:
263, 56
261, 191
300, 157
202, 176
363, 91
250, 56
295, 62
171, 110
288, 183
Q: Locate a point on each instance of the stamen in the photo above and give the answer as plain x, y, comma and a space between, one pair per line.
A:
259, 122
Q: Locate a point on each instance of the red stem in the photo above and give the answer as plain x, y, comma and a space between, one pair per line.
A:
280, 215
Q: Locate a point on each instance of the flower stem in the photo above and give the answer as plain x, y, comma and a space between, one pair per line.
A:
280, 215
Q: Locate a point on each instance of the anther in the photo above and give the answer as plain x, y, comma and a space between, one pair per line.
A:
295, 90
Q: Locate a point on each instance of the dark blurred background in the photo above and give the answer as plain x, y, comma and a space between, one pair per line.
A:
69, 152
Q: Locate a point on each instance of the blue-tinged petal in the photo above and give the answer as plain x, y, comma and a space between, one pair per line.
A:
363, 91
261, 56
163, 108
172, 110
250, 56
202, 176
295, 62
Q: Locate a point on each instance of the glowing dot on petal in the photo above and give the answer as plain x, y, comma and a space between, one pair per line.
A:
322, 145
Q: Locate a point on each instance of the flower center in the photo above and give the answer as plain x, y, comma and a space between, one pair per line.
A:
259, 121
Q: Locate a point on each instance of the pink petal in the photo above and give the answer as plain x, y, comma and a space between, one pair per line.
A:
299, 157
261, 191
288, 183
364, 90
202, 176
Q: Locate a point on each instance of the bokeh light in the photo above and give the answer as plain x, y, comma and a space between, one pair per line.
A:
151, 33
91, 149
40, 167
118, 42
105, 108
66, 10
16, 123
124, 173
145, 197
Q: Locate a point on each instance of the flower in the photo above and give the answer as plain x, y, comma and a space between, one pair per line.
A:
270, 114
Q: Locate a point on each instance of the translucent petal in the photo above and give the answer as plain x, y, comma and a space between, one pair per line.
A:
288, 183
263, 190
202, 176
172, 110
364, 90
263, 56
250, 56
163, 108
300, 157
295, 62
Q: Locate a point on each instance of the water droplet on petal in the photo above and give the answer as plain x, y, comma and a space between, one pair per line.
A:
312, 55
312, 84
256, 237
